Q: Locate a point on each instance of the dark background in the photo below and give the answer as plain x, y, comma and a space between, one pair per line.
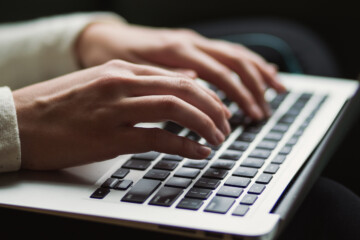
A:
337, 23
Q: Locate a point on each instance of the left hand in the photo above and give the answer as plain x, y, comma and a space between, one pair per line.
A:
188, 52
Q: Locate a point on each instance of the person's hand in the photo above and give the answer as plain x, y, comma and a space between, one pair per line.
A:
187, 52
91, 115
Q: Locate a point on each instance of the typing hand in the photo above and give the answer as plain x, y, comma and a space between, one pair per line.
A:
187, 52
91, 115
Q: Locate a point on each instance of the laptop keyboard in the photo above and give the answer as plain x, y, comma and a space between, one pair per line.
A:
237, 172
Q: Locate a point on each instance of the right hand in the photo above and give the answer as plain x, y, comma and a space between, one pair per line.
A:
90, 115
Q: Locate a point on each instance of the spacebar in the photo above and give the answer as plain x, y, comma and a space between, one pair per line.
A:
141, 191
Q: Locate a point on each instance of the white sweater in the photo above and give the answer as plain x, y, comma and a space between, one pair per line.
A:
31, 52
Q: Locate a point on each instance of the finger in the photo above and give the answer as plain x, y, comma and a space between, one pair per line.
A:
215, 72
251, 77
168, 108
187, 90
216, 98
249, 74
154, 139
271, 77
268, 70
144, 67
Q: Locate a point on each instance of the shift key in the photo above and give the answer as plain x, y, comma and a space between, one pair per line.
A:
141, 191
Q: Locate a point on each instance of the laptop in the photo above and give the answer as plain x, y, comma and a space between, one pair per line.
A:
248, 188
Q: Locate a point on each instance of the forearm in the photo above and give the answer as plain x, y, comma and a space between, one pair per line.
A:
41, 49
32, 52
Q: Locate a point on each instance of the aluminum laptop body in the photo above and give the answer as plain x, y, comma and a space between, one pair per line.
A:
258, 209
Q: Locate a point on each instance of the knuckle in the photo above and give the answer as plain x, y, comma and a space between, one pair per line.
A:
185, 85
115, 63
207, 123
107, 81
171, 44
222, 73
238, 62
186, 31
170, 103
218, 110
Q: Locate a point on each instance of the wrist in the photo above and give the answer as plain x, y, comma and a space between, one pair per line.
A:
92, 44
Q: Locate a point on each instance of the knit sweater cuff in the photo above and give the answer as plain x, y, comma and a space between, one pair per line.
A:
10, 155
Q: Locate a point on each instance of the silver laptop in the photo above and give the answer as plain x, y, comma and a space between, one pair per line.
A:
248, 188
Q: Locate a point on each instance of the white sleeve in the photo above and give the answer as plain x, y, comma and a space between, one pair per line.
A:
10, 159
31, 52
43, 48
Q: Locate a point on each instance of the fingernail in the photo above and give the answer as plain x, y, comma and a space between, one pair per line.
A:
219, 137
203, 151
256, 112
267, 110
227, 128
227, 112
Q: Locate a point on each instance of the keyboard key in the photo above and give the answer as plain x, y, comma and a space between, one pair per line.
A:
274, 136
141, 191
110, 183
285, 150
215, 173
200, 164
178, 182
247, 137
219, 204
123, 184
264, 178
166, 196
238, 181
299, 132
120, 173
266, 144
173, 157
239, 145
231, 155
137, 164
146, 156
223, 164
227, 191
249, 199
190, 203
100, 193
293, 140
256, 188
200, 193
280, 128
272, 168
193, 136
211, 155
213, 147
187, 172
207, 183
287, 119
173, 127
157, 174
260, 153
237, 119
241, 210
279, 159
245, 172
254, 128
252, 162
166, 165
